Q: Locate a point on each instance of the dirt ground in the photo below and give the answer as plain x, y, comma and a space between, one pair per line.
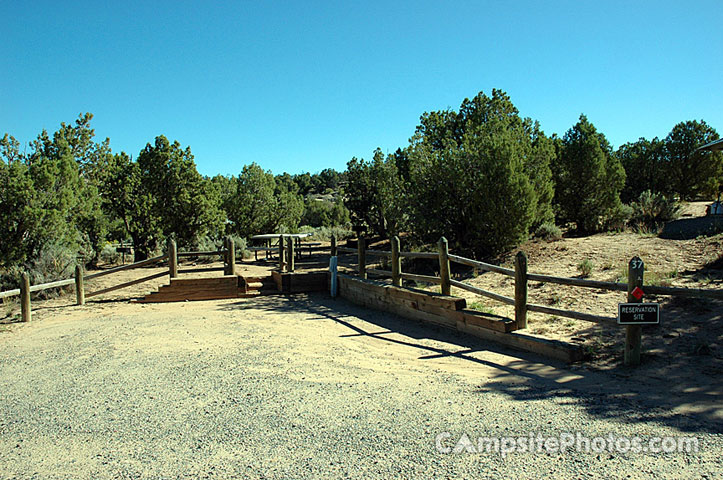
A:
306, 386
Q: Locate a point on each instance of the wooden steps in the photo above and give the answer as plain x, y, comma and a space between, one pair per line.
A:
182, 289
255, 286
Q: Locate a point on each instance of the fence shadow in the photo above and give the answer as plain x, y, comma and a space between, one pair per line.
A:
643, 394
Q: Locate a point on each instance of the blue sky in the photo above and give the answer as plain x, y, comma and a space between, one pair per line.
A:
302, 86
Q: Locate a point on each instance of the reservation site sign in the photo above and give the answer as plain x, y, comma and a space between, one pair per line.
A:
638, 313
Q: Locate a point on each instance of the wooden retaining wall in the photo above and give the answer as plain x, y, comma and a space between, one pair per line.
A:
300, 282
450, 312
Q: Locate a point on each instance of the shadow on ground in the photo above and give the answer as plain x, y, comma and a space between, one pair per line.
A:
651, 393
690, 228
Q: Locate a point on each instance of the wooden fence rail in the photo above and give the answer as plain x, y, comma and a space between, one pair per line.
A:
80, 278
201, 254
482, 265
126, 284
483, 292
522, 278
130, 266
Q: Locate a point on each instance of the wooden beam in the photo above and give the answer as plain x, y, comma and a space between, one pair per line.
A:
633, 333
172, 258
208, 253
381, 273
370, 294
482, 265
25, 309
142, 263
396, 263
361, 256
379, 253
521, 289
79, 286
10, 293
282, 252
427, 255
421, 278
127, 284
290, 256
577, 282
483, 292
202, 269
444, 274
231, 256
587, 317
56, 284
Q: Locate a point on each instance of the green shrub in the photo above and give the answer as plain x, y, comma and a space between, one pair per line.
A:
54, 262
548, 231
585, 268
241, 246
109, 255
209, 244
324, 234
617, 217
652, 210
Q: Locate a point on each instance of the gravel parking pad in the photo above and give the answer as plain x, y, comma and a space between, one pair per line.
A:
302, 387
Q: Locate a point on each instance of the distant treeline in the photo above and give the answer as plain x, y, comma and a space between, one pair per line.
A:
482, 176
487, 178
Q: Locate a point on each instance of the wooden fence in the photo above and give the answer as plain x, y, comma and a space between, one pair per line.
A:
227, 253
519, 273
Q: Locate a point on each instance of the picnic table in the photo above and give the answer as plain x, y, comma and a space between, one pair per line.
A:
268, 242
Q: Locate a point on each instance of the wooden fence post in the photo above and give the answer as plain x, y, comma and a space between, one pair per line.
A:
633, 333
362, 256
25, 297
281, 253
333, 246
225, 255
231, 256
444, 267
172, 258
79, 287
521, 290
396, 263
290, 255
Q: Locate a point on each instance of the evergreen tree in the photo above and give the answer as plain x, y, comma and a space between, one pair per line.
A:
646, 168
480, 177
589, 178
694, 173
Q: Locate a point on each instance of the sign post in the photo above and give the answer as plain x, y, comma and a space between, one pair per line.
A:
633, 332
333, 280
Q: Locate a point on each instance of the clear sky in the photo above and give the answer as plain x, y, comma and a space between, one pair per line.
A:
306, 85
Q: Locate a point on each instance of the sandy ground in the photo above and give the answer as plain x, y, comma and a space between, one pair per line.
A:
310, 387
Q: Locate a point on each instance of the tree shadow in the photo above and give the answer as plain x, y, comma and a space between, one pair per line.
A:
653, 392
690, 228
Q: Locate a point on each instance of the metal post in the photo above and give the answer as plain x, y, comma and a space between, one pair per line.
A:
333, 278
